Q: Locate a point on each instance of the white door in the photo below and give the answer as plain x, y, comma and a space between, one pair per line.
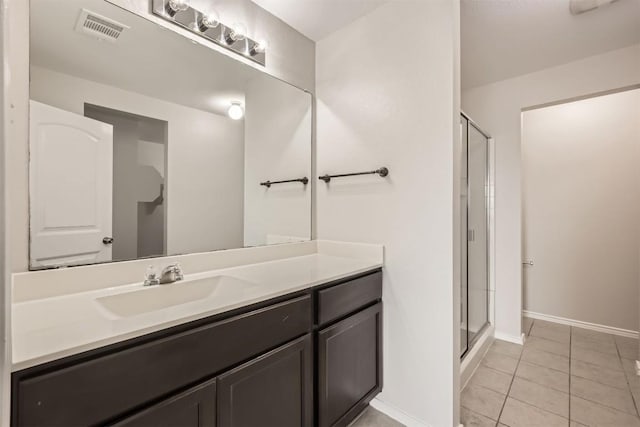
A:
71, 167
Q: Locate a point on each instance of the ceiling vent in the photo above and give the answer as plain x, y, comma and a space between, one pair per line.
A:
580, 6
98, 26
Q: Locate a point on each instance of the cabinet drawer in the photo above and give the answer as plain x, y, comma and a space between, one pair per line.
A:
100, 389
345, 298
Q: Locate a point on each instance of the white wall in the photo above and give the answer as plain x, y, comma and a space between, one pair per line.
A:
277, 147
497, 108
5, 263
204, 159
581, 205
382, 101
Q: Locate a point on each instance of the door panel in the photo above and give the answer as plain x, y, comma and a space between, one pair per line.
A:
349, 366
274, 390
477, 220
464, 311
71, 164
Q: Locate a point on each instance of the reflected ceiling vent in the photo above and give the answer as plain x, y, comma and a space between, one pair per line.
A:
580, 6
98, 26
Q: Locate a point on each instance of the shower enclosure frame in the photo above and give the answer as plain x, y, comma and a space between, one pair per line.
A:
487, 209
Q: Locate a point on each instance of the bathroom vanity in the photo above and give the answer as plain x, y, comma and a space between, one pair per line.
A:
302, 354
142, 166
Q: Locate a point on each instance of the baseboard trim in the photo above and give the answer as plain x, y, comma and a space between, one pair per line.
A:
396, 414
510, 338
580, 324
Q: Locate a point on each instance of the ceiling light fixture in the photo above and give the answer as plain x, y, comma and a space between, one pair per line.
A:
235, 111
207, 24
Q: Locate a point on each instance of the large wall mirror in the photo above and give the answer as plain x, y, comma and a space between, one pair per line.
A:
149, 144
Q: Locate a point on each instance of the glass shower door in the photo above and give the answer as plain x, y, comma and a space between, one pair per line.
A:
474, 257
477, 232
464, 336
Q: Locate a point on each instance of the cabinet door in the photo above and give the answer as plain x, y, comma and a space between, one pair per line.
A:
195, 407
273, 390
349, 366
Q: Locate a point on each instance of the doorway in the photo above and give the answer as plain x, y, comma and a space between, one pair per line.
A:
139, 182
581, 202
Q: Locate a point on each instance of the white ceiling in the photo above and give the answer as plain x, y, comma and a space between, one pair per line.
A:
508, 38
317, 19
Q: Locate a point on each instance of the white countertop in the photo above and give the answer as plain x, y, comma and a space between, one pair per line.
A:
51, 328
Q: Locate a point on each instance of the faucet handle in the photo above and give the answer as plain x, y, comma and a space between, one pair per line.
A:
151, 276
178, 271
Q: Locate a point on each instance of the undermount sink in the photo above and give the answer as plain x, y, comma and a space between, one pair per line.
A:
159, 297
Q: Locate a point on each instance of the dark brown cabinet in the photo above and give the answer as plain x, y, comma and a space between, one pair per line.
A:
274, 390
107, 385
194, 408
310, 358
349, 366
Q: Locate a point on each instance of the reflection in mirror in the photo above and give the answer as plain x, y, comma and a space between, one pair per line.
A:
144, 143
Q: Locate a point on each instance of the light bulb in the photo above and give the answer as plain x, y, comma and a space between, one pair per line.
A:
235, 111
259, 47
238, 32
175, 6
209, 20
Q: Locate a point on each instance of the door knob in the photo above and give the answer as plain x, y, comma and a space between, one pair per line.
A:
529, 262
107, 240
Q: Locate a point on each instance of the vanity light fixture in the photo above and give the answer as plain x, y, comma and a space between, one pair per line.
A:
259, 47
175, 6
208, 25
235, 111
208, 20
235, 34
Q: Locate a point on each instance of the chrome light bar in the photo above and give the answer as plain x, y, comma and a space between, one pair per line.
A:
208, 26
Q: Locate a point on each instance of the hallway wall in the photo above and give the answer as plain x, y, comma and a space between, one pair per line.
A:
581, 204
498, 107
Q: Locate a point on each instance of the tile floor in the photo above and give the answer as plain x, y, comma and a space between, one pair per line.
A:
563, 376
373, 418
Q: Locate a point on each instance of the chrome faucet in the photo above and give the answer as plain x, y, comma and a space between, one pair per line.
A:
171, 273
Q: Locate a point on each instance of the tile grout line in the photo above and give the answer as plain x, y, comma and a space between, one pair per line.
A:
626, 378
570, 351
568, 417
570, 394
598, 382
513, 377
